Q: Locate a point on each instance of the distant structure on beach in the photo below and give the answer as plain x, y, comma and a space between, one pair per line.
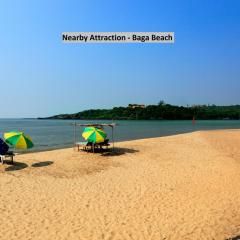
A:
136, 106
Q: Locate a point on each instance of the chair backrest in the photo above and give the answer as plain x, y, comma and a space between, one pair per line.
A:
3, 147
105, 142
89, 144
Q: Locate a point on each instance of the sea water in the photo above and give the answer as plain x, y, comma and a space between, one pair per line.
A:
53, 134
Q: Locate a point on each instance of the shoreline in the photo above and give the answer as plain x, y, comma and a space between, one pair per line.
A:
138, 139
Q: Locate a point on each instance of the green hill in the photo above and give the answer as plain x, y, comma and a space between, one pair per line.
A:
161, 111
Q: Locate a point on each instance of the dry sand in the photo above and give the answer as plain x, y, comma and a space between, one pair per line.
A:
178, 187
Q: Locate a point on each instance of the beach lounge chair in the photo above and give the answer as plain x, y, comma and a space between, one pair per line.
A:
4, 153
80, 144
84, 145
89, 146
104, 144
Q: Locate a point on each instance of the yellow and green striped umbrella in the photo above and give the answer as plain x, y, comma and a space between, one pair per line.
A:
94, 135
18, 140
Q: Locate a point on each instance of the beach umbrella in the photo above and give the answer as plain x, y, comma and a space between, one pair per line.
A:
18, 140
93, 134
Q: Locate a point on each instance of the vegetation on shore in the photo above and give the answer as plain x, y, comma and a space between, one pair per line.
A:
162, 111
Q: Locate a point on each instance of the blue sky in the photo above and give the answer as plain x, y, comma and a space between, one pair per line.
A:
41, 76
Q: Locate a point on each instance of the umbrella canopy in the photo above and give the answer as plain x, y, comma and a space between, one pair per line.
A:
94, 135
18, 140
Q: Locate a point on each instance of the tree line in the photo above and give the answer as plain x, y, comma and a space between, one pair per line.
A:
162, 111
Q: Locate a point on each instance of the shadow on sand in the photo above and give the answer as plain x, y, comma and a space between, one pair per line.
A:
15, 166
118, 151
42, 164
234, 238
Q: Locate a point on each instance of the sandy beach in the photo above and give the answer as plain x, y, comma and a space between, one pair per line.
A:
178, 187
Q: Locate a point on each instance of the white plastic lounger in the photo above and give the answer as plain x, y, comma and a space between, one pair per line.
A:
7, 155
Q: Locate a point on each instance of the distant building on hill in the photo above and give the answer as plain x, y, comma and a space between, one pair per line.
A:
136, 106
199, 105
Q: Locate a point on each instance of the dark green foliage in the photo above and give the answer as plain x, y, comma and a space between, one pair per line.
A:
162, 111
